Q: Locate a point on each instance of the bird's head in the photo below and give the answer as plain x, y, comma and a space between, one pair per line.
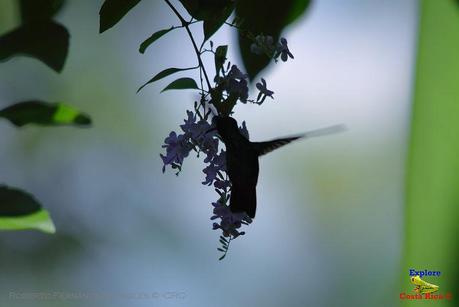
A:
226, 126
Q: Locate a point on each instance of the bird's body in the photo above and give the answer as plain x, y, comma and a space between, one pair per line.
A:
242, 160
243, 168
242, 163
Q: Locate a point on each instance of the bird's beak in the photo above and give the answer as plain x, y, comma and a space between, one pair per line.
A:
211, 129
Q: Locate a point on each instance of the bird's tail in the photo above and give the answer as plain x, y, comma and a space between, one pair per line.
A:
243, 199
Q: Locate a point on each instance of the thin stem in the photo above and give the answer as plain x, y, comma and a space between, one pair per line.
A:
182, 26
227, 247
207, 50
202, 45
185, 24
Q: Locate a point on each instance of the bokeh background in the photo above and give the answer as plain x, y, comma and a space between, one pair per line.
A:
328, 230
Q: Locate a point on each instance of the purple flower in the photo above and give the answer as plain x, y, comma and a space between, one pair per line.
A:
177, 148
211, 174
194, 134
235, 73
283, 51
222, 184
221, 210
239, 89
230, 221
192, 129
217, 163
264, 92
189, 122
208, 143
220, 160
235, 84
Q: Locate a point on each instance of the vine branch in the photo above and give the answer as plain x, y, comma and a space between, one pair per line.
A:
185, 24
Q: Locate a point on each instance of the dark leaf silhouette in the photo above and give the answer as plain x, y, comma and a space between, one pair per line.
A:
112, 11
46, 41
181, 84
45, 114
155, 36
14, 202
212, 12
220, 57
39, 10
19, 210
162, 74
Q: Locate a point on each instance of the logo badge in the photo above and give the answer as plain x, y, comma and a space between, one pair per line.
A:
425, 290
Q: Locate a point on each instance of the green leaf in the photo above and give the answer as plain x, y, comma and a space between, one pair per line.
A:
181, 84
153, 38
14, 202
163, 74
432, 187
47, 41
43, 113
36, 10
223, 243
213, 12
19, 210
298, 9
217, 18
220, 58
267, 17
39, 221
112, 11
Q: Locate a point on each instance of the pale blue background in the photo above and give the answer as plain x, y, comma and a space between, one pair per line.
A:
328, 229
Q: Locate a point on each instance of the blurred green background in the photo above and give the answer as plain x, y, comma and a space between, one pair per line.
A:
432, 180
330, 224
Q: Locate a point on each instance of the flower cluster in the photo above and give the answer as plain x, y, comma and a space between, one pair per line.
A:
234, 84
177, 149
214, 171
230, 222
196, 136
201, 137
265, 45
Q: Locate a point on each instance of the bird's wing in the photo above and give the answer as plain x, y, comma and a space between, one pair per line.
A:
263, 148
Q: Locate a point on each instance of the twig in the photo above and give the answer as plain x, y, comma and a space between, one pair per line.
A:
185, 24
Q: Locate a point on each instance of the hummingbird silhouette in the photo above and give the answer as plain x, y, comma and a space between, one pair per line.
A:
242, 163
